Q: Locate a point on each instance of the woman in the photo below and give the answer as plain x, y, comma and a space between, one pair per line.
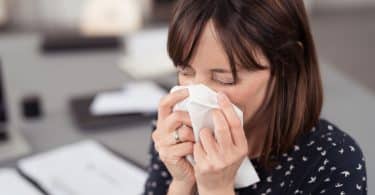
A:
260, 56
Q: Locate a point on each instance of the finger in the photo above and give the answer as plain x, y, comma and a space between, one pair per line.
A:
176, 151
176, 120
199, 153
208, 141
166, 103
181, 150
222, 131
185, 133
235, 125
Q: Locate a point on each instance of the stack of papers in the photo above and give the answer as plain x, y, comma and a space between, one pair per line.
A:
84, 168
135, 97
11, 183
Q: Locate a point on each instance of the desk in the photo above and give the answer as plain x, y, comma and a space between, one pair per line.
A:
56, 78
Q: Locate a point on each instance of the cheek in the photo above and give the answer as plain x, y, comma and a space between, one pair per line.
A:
249, 97
246, 100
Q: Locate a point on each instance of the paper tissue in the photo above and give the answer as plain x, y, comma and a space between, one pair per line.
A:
200, 102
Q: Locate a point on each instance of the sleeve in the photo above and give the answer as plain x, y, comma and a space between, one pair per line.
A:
343, 171
159, 178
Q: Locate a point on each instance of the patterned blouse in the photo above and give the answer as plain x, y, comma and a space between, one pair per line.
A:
325, 160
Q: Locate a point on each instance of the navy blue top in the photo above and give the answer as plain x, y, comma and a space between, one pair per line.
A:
324, 160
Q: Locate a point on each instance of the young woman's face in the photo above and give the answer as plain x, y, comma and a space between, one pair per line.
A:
210, 66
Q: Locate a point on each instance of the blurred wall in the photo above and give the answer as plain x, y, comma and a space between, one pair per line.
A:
31, 14
343, 4
28, 14
22, 14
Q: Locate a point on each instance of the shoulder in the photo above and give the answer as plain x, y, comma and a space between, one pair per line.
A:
335, 160
340, 147
326, 141
326, 137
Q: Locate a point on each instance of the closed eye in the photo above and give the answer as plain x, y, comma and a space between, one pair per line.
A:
222, 80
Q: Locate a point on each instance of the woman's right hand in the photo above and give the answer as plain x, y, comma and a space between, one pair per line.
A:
171, 153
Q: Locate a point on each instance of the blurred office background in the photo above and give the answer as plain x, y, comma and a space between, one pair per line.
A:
57, 54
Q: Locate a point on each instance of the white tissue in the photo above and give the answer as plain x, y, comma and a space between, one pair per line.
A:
199, 104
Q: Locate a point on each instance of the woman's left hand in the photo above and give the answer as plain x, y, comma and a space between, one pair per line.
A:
217, 158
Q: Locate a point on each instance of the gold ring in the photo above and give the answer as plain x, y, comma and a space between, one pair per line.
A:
176, 137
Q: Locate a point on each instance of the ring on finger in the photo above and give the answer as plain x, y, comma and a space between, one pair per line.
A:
176, 137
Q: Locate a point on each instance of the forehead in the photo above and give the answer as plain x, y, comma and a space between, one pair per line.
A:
209, 51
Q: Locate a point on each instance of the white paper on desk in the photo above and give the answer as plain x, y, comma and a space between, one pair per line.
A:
12, 183
199, 104
84, 168
135, 97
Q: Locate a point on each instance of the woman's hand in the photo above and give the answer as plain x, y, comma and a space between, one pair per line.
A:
171, 153
218, 158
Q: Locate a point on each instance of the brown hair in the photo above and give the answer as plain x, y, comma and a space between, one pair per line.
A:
280, 30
